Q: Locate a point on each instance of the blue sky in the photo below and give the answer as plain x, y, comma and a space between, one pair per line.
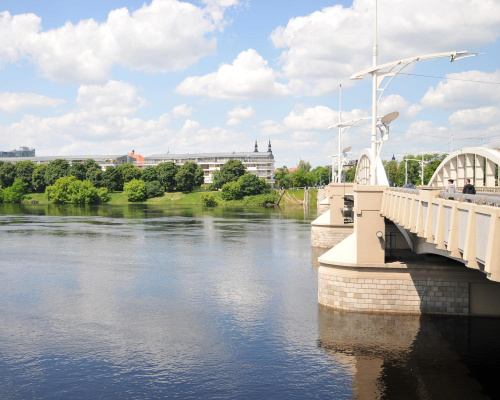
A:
107, 77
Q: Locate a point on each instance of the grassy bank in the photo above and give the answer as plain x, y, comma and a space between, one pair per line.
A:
291, 197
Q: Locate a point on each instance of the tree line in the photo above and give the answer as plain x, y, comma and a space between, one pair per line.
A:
140, 184
398, 173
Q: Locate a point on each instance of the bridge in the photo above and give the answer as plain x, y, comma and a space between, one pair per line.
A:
414, 251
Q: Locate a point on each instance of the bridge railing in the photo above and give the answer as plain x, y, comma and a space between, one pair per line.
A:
468, 231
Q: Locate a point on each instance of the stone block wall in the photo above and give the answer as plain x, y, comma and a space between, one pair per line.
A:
394, 293
329, 236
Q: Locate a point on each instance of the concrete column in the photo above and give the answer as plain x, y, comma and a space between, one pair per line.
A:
367, 222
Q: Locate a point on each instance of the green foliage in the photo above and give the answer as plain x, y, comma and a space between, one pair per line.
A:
189, 177
55, 170
103, 194
209, 200
127, 173
351, 174
229, 172
24, 171
166, 175
135, 190
302, 178
283, 178
321, 175
149, 174
154, 189
267, 199
95, 176
69, 190
304, 165
7, 174
231, 191
78, 170
38, 179
251, 185
111, 179
15, 193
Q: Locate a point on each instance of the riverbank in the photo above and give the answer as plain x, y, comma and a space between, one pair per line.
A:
291, 197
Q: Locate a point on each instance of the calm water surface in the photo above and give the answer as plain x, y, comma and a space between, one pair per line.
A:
140, 302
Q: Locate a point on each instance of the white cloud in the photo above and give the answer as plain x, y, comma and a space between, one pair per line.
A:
324, 48
113, 98
164, 36
14, 102
318, 118
237, 114
249, 76
468, 89
271, 128
182, 111
400, 104
476, 118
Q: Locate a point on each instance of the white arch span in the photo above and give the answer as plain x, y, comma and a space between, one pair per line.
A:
479, 164
362, 176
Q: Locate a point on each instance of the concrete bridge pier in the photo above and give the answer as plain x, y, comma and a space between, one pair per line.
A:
330, 227
356, 276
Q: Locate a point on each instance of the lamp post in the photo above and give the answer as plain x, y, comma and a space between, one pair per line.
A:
389, 170
421, 162
379, 84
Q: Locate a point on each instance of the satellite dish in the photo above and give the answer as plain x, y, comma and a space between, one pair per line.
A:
347, 149
386, 119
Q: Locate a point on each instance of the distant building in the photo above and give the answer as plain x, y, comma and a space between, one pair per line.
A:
257, 163
21, 152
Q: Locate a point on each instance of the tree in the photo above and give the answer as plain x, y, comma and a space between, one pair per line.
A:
283, 178
149, 174
231, 191
154, 189
301, 178
189, 177
24, 171
111, 179
128, 172
55, 170
209, 200
135, 190
166, 175
69, 190
95, 176
7, 174
38, 179
350, 174
251, 185
78, 170
16, 192
321, 175
304, 165
229, 172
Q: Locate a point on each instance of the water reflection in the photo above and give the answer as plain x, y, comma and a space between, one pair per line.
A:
413, 357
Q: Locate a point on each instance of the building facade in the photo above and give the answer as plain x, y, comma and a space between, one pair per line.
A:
21, 152
256, 163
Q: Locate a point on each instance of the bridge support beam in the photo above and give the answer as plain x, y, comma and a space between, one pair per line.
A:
329, 228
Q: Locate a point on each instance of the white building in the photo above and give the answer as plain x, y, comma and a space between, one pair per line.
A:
257, 163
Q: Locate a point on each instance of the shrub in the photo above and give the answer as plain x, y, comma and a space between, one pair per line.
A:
154, 189
15, 193
231, 191
209, 200
69, 190
135, 190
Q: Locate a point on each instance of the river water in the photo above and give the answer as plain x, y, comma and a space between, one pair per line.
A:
141, 302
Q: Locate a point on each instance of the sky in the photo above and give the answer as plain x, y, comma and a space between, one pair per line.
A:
158, 76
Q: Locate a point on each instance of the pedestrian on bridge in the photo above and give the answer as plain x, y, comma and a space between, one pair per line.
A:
451, 188
469, 188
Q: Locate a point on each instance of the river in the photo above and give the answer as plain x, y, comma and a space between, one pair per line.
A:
142, 302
